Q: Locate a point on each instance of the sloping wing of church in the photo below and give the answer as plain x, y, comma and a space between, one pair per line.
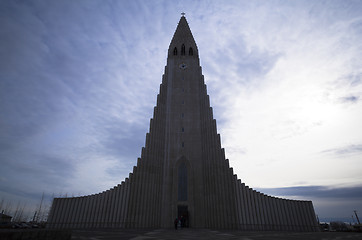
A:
182, 172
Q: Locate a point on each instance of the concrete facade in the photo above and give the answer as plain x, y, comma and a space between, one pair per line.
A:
182, 170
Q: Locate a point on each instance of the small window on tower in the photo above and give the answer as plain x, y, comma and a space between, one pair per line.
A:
191, 52
175, 51
183, 129
183, 144
182, 115
183, 49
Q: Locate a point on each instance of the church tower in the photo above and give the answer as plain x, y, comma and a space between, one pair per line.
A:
182, 172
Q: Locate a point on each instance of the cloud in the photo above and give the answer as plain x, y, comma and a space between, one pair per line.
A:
350, 99
341, 151
316, 192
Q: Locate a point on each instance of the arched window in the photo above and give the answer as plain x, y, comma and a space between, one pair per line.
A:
182, 182
191, 52
183, 49
175, 51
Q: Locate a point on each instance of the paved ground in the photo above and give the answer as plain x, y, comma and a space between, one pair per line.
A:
205, 234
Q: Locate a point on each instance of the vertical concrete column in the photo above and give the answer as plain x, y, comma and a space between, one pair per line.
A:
155, 216
105, 211
300, 214
78, 211
112, 206
145, 194
297, 215
110, 209
256, 207
283, 218
289, 215
141, 194
137, 187
116, 204
238, 202
266, 213
102, 206
306, 216
293, 215
133, 197
149, 180
304, 211
314, 222
273, 213
242, 205
84, 206
279, 214
91, 211
63, 204
270, 213
125, 207
61, 213
215, 223
251, 208
98, 210
68, 213
261, 211
119, 215
71, 210
86, 203
221, 200
247, 207
286, 214
219, 214
79, 218
119, 203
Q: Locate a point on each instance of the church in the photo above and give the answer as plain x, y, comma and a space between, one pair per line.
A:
182, 172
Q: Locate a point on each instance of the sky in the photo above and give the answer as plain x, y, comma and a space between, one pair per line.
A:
79, 80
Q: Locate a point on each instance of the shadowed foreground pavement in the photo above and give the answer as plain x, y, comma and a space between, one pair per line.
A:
210, 234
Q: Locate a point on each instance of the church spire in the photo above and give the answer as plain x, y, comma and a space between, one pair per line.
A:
183, 43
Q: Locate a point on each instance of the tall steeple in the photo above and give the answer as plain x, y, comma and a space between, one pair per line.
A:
182, 36
182, 172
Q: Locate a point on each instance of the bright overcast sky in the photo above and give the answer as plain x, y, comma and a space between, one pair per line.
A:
79, 80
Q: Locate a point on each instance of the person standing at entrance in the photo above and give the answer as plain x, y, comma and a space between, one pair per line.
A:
176, 222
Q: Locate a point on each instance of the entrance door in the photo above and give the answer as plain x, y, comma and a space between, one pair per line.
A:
183, 215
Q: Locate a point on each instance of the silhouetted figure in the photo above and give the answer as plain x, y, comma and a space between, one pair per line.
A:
182, 222
176, 222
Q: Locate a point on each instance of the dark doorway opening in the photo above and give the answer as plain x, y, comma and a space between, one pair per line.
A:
183, 215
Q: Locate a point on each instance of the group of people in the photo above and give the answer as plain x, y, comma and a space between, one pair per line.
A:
180, 222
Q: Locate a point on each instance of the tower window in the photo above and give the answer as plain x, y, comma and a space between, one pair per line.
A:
191, 52
182, 182
183, 144
182, 129
183, 49
175, 51
182, 115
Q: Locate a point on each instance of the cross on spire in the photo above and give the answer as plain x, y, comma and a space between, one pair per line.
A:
183, 14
